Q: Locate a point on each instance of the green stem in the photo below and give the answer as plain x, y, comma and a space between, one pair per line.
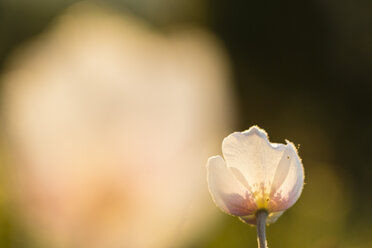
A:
261, 217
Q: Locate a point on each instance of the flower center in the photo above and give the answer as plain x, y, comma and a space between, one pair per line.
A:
261, 195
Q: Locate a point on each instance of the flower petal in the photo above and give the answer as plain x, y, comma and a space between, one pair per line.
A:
227, 192
288, 180
271, 218
254, 156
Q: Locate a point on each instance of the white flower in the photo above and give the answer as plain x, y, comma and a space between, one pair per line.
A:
257, 175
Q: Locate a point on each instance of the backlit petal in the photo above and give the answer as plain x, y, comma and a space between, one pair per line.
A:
271, 218
254, 156
288, 181
227, 192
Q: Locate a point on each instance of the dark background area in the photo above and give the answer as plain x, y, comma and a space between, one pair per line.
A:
302, 70
312, 59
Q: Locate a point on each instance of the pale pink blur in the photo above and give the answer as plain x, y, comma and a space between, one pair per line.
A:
110, 123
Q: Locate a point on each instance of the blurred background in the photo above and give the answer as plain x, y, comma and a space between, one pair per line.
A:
110, 109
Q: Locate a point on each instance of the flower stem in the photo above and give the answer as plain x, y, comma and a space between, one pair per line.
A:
261, 217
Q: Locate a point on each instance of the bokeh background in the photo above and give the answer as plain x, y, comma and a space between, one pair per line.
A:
110, 110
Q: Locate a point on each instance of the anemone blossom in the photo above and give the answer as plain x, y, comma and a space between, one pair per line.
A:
258, 180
